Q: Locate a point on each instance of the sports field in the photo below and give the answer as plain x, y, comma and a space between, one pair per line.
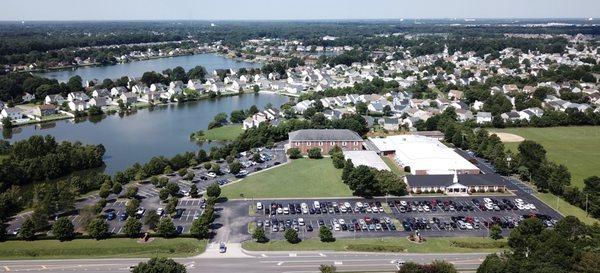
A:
578, 148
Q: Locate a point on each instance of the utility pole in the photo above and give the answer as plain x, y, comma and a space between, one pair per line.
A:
586, 205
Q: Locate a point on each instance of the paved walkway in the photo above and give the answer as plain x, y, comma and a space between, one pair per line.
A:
234, 250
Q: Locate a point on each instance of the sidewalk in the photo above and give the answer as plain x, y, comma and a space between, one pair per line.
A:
234, 250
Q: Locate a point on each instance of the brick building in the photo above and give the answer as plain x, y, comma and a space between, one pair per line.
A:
325, 139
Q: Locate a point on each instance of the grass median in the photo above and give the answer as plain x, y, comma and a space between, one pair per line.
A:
301, 178
392, 244
109, 248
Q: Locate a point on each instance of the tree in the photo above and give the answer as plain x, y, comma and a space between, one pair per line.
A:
171, 205
362, 182
132, 227
194, 191
163, 194
338, 160
327, 268
6, 123
496, 232
63, 229
27, 231
75, 84
159, 265
315, 153
117, 188
294, 153
259, 236
235, 167
132, 206
492, 264
151, 219
131, 192
325, 235
105, 190
348, 168
97, 229
213, 190
387, 111
361, 108
201, 228
166, 228
291, 236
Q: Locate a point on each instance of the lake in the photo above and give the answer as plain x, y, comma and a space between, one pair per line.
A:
163, 130
210, 61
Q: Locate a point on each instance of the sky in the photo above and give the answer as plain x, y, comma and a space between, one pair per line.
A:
29, 10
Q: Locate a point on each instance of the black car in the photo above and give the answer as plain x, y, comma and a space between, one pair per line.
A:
179, 230
309, 228
123, 216
111, 216
178, 213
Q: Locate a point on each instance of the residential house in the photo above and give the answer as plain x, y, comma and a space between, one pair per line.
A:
54, 99
455, 94
13, 113
510, 116
390, 124
28, 97
81, 96
483, 117
78, 105
44, 110
118, 90
101, 93
128, 97
196, 85
99, 101
158, 87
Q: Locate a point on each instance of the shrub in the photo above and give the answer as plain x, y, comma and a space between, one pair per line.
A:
315, 153
292, 236
294, 153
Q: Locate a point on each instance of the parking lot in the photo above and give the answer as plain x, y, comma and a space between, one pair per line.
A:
434, 216
188, 208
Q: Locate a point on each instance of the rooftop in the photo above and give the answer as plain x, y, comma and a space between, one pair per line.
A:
324, 134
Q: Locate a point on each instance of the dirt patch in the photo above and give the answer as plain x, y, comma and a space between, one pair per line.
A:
506, 137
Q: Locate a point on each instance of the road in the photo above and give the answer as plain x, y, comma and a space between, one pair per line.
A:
259, 262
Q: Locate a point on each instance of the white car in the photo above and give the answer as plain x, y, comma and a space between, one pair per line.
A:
301, 221
519, 200
259, 206
279, 210
375, 210
211, 175
317, 205
336, 227
487, 200
426, 208
403, 203
347, 204
160, 211
359, 204
286, 210
342, 221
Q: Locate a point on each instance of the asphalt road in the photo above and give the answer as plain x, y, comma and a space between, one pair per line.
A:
256, 262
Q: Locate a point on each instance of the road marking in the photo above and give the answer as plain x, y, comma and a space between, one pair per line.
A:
293, 254
6, 268
279, 263
338, 263
321, 254
263, 255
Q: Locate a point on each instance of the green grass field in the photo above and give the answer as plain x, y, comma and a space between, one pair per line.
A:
110, 248
227, 132
393, 166
300, 178
565, 208
578, 148
393, 244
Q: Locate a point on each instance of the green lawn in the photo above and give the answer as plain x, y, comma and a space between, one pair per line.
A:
227, 132
298, 179
388, 244
565, 208
393, 166
110, 248
578, 148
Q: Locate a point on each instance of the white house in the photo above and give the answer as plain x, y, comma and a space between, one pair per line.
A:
73, 96
28, 97
54, 99
100, 93
118, 90
77, 105
483, 117
128, 97
12, 113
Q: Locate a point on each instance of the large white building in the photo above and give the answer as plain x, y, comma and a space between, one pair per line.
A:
423, 155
